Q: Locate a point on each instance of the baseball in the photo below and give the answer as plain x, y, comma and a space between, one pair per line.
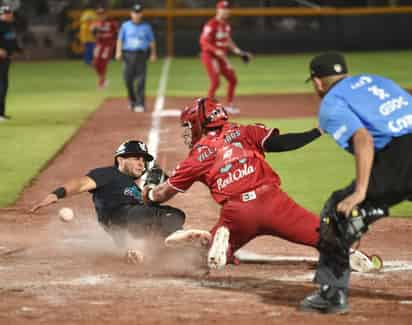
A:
66, 214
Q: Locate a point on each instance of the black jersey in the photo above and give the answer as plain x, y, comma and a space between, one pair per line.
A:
114, 190
8, 39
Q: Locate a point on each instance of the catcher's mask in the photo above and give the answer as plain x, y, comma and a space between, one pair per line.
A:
133, 148
205, 113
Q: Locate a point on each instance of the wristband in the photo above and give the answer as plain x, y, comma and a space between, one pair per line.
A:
150, 195
60, 192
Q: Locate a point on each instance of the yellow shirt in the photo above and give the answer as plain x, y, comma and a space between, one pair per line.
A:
86, 20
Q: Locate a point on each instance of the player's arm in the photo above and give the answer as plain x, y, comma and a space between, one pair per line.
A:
72, 187
237, 51
289, 141
159, 193
206, 41
363, 149
153, 51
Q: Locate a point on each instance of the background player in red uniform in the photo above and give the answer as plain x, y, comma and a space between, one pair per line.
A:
229, 159
215, 42
105, 30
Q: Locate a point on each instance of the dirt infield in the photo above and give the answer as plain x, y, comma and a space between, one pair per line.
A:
70, 273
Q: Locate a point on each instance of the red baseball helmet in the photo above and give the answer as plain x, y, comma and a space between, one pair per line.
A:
205, 113
222, 5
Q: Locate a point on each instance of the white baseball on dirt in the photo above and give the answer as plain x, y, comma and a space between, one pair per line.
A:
66, 214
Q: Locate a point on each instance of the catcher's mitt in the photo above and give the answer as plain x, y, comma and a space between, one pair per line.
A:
155, 175
246, 57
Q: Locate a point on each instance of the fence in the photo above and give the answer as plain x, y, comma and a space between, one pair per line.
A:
275, 30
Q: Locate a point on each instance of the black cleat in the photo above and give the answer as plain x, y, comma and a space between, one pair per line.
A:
327, 300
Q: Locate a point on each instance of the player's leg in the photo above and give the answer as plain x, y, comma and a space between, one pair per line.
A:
230, 75
235, 228
211, 65
284, 218
4, 85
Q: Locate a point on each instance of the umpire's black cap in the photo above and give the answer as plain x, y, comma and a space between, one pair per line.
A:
327, 64
137, 7
5, 10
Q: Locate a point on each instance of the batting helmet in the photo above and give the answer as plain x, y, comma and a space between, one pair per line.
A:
205, 113
133, 148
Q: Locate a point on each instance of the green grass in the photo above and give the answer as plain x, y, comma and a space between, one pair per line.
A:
50, 100
283, 73
313, 172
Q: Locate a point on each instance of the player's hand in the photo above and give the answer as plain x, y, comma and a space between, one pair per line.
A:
3, 53
118, 56
49, 199
145, 194
219, 53
246, 56
348, 204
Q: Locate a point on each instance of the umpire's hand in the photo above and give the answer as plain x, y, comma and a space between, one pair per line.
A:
153, 57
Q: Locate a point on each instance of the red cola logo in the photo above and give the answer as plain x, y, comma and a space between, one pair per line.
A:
234, 176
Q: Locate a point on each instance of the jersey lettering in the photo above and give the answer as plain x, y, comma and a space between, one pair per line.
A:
392, 105
234, 176
401, 123
379, 92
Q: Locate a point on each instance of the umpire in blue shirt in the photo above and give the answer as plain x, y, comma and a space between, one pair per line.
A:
370, 117
135, 44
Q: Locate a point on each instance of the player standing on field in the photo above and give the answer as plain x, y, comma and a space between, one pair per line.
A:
105, 31
215, 43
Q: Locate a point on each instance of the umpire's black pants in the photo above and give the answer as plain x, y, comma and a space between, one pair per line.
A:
390, 183
4, 84
134, 74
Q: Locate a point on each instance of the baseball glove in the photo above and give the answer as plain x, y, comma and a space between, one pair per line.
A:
155, 175
246, 57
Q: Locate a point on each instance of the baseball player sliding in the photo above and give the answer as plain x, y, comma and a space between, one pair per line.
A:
118, 202
215, 43
229, 158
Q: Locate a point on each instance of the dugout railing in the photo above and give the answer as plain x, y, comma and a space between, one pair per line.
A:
276, 30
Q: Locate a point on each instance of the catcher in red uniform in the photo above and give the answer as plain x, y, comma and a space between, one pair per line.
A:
229, 159
105, 30
215, 43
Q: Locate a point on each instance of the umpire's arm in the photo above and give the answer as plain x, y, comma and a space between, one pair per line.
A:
364, 152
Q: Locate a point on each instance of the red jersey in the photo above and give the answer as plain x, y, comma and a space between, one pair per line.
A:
215, 35
105, 31
229, 161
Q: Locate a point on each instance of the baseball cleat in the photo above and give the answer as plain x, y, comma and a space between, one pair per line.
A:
217, 258
190, 237
134, 256
361, 262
